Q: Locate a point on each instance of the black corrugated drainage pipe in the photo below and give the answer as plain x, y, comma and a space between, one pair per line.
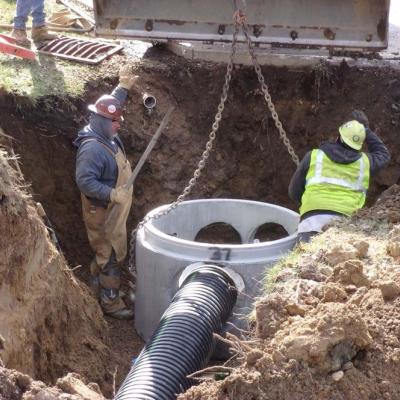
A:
183, 342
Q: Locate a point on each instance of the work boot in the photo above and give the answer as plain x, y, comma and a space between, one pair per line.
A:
20, 37
125, 314
41, 35
113, 305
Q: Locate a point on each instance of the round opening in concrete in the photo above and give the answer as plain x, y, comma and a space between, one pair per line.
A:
218, 232
269, 231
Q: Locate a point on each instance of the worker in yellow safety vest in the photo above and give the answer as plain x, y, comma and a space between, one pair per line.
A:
332, 181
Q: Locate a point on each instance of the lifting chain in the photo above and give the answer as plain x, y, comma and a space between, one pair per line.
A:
200, 165
241, 18
240, 21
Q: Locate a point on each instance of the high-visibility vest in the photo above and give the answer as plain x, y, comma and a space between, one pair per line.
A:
335, 187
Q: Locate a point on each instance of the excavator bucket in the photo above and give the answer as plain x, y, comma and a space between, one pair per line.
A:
338, 24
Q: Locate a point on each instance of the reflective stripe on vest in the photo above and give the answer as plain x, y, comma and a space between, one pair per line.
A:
318, 178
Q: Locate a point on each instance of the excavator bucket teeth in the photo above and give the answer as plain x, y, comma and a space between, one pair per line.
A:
341, 24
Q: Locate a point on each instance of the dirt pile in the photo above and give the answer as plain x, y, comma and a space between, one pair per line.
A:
17, 386
49, 323
330, 327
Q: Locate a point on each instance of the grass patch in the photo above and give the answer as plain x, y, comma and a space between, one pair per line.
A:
46, 75
286, 262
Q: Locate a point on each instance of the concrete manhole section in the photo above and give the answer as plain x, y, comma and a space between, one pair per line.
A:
166, 251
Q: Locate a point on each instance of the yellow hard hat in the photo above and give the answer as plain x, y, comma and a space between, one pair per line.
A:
353, 134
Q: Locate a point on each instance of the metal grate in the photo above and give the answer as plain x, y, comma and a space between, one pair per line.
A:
90, 52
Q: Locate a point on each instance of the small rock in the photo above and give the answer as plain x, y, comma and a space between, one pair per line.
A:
253, 356
358, 296
337, 376
395, 107
350, 289
24, 381
396, 356
362, 248
347, 366
385, 385
394, 217
295, 309
277, 356
393, 249
390, 290
325, 270
285, 275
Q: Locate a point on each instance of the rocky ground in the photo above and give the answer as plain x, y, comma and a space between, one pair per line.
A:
329, 327
17, 386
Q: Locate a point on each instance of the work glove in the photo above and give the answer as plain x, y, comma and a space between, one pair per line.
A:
360, 116
126, 79
120, 195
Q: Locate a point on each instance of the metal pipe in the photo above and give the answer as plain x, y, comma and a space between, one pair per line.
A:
77, 11
149, 101
184, 341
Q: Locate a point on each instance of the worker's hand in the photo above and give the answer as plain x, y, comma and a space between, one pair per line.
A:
126, 79
120, 195
361, 117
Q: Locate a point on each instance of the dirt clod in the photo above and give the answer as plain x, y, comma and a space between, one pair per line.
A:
333, 293
74, 384
341, 253
270, 314
311, 339
350, 273
390, 290
362, 248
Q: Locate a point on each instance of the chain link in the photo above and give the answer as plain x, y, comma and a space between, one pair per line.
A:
200, 165
267, 96
240, 21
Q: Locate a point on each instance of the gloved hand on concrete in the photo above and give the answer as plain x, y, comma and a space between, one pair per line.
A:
120, 195
126, 79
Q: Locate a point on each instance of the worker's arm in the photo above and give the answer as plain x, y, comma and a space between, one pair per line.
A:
120, 94
126, 81
378, 153
298, 182
89, 167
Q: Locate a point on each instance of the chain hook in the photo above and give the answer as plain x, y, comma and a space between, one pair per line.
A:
239, 17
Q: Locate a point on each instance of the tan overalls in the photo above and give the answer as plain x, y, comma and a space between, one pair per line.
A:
106, 234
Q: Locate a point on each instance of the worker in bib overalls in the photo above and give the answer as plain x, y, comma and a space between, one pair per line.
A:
102, 170
332, 181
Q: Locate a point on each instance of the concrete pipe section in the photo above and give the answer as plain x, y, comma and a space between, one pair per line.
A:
166, 253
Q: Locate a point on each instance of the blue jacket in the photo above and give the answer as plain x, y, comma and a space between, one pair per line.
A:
96, 169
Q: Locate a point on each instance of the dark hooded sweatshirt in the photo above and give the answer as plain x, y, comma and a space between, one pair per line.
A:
96, 169
378, 156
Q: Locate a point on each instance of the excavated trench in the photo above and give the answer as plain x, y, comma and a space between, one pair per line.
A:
249, 160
